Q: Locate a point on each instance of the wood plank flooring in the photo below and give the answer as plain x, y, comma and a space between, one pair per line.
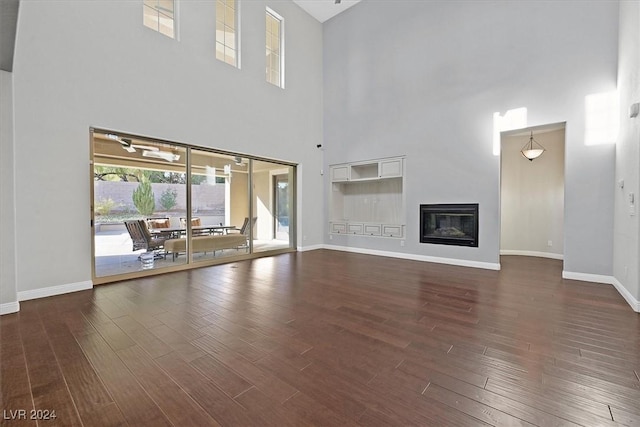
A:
329, 339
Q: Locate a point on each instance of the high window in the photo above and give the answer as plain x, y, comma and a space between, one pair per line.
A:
226, 31
274, 49
159, 15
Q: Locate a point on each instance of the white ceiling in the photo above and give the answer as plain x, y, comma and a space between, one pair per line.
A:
323, 10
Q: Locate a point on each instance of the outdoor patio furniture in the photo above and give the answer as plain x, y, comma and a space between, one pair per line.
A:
153, 223
195, 222
141, 237
244, 230
205, 244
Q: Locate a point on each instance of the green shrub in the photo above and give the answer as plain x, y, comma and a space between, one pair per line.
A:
168, 199
144, 199
105, 206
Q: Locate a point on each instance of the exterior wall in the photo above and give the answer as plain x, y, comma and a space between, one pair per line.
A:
423, 79
209, 198
93, 64
239, 199
262, 208
627, 227
8, 289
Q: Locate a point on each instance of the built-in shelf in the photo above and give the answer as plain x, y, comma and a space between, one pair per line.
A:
367, 198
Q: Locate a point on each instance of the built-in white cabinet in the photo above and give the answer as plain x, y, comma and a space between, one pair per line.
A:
367, 198
340, 173
390, 168
338, 227
372, 229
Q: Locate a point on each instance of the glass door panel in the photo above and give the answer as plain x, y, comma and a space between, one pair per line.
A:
139, 189
219, 205
272, 206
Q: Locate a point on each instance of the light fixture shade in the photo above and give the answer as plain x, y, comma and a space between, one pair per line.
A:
164, 155
532, 149
532, 154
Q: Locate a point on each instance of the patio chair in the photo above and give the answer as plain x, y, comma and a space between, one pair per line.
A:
157, 222
141, 237
245, 229
195, 222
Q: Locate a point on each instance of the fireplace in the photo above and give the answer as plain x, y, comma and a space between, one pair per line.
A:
453, 224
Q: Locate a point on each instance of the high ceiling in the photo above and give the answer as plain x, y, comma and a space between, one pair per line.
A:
324, 10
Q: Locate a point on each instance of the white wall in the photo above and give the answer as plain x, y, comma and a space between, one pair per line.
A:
8, 292
627, 228
93, 63
532, 196
423, 79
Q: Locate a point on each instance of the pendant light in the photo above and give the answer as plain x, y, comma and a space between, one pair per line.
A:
532, 149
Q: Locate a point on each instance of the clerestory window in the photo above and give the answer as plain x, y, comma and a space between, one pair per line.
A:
159, 15
274, 48
227, 32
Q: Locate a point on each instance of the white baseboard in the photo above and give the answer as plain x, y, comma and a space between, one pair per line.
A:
414, 257
55, 290
634, 303
9, 307
531, 253
586, 277
609, 280
310, 248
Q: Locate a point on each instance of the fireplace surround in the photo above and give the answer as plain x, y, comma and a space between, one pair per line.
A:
449, 224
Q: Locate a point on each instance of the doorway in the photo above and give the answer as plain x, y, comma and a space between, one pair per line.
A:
532, 193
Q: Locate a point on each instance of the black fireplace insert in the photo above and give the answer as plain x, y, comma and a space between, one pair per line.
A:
450, 224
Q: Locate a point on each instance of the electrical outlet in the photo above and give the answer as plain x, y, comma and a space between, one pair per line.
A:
549, 243
330, 236
304, 237
401, 242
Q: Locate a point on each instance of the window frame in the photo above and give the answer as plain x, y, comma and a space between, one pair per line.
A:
174, 18
236, 34
275, 15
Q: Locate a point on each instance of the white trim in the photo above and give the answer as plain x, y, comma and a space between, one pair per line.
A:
54, 290
634, 303
9, 307
586, 277
609, 280
310, 248
531, 253
413, 257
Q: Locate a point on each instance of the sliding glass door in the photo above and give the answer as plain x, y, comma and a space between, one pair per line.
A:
139, 191
160, 206
219, 205
272, 207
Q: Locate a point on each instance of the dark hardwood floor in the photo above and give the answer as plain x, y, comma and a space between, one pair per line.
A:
330, 339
